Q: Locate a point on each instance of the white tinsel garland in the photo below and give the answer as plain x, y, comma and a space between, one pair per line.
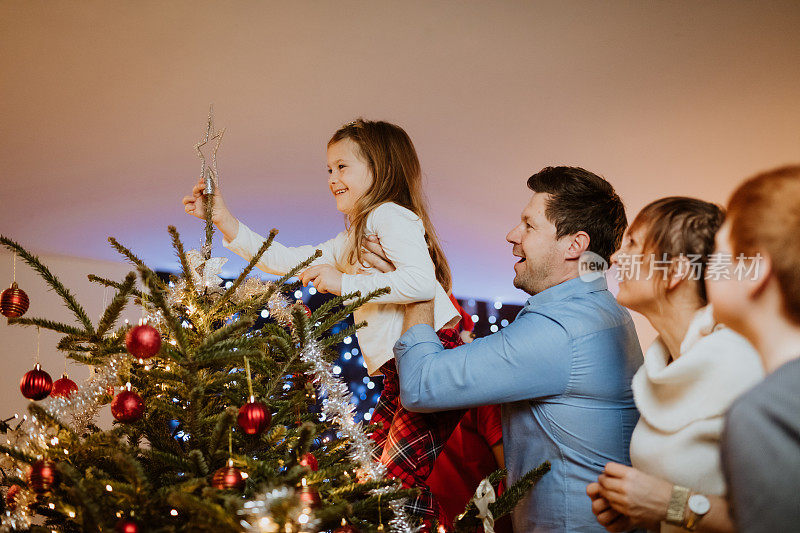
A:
339, 408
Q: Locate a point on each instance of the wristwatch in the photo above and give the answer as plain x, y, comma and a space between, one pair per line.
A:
677, 505
698, 507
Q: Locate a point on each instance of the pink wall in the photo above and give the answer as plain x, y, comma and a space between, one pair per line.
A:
102, 102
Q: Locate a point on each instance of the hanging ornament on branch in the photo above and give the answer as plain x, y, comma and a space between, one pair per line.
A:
345, 528
126, 526
14, 302
309, 461
254, 417
143, 341
36, 384
64, 387
228, 478
43, 476
127, 406
309, 494
11, 497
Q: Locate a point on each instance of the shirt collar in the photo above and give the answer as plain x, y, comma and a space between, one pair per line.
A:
566, 289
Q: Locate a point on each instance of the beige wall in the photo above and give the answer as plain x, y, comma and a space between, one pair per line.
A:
102, 103
18, 343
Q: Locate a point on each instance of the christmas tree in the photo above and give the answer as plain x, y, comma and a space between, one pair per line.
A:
214, 427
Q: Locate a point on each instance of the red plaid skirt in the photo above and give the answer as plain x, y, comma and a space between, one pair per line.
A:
410, 442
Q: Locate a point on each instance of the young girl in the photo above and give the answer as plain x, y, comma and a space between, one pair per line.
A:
375, 177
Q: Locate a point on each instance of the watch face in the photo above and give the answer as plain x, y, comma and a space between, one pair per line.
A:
699, 504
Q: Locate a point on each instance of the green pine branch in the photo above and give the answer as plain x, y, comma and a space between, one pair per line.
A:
228, 331
49, 278
114, 285
302, 266
504, 504
112, 312
190, 289
48, 324
155, 286
130, 256
243, 275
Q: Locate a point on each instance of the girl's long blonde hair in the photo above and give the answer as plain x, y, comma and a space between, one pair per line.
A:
397, 177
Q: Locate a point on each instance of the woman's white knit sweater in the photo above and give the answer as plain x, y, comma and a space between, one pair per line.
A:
682, 404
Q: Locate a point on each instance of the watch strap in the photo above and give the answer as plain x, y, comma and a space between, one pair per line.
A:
677, 505
691, 521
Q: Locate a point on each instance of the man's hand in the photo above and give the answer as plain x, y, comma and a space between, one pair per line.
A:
373, 255
326, 278
415, 313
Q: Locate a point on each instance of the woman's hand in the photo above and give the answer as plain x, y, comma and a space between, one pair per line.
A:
326, 278
640, 497
607, 517
222, 217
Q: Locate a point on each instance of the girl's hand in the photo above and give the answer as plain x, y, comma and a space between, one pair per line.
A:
607, 517
326, 278
222, 217
640, 497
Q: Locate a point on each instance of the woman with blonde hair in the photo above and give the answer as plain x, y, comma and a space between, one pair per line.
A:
691, 374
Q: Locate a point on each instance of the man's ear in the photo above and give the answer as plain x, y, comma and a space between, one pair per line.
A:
578, 244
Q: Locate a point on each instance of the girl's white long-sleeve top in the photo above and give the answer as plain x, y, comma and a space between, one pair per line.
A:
402, 236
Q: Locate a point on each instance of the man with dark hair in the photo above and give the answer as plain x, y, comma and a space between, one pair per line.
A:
561, 370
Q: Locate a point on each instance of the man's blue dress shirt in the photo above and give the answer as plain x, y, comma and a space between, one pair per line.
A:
562, 371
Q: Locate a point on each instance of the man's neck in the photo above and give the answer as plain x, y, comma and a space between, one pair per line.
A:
776, 340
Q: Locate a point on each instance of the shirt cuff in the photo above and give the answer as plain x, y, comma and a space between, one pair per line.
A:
236, 243
348, 284
414, 335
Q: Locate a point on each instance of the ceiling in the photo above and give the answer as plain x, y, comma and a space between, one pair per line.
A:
102, 103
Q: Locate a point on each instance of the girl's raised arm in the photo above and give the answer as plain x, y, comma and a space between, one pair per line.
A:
222, 218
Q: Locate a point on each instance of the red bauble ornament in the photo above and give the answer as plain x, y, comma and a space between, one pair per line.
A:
63, 387
143, 341
254, 417
14, 302
127, 406
43, 476
307, 310
11, 497
310, 462
345, 528
310, 496
228, 477
126, 526
36, 384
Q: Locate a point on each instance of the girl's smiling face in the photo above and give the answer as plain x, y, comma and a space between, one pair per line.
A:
349, 177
